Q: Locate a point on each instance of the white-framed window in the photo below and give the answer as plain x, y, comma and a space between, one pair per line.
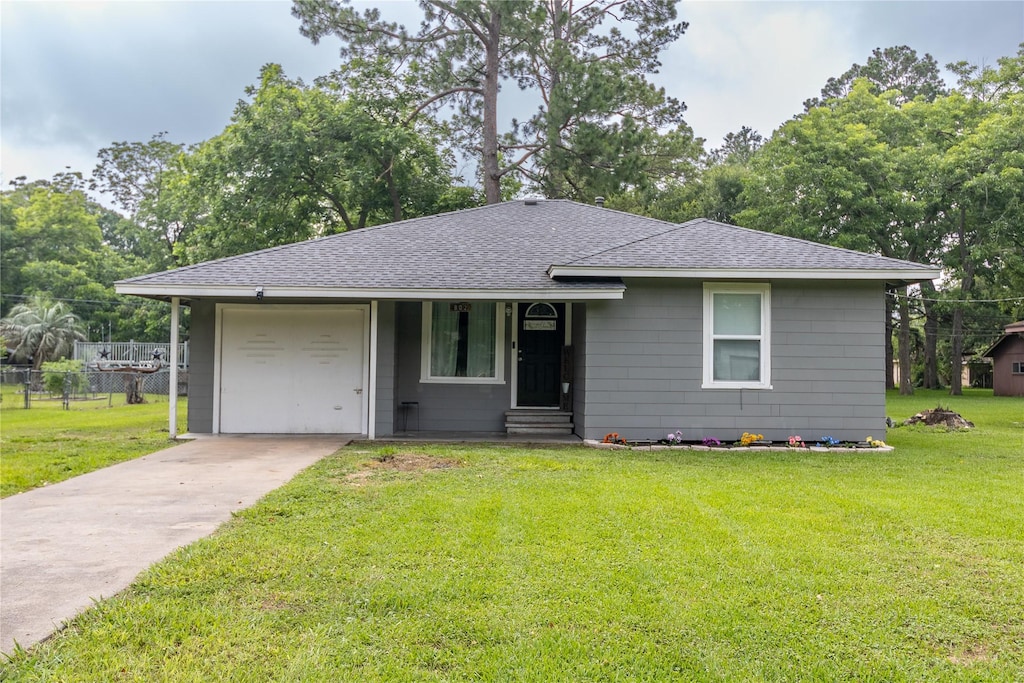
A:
1018, 368
463, 342
737, 336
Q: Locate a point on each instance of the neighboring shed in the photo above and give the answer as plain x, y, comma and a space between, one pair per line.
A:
544, 317
1007, 356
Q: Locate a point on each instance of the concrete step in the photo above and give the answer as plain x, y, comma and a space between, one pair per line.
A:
526, 421
537, 417
561, 430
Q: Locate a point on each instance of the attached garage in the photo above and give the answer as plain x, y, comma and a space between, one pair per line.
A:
291, 369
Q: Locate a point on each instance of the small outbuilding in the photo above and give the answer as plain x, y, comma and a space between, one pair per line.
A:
1007, 356
540, 316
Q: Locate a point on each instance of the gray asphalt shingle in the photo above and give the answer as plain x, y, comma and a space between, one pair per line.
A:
511, 246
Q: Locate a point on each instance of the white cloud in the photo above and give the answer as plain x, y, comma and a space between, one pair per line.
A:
79, 75
743, 63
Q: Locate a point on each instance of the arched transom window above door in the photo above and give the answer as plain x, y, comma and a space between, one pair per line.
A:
541, 311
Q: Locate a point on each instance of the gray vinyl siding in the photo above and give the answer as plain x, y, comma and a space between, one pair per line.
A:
444, 407
644, 365
202, 333
579, 345
385, 403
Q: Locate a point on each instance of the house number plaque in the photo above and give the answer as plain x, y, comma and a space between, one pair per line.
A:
539, 324
460, 308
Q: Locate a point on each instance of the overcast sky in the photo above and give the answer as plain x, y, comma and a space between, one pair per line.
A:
76, 76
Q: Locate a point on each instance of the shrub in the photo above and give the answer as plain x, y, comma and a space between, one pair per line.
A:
54, 373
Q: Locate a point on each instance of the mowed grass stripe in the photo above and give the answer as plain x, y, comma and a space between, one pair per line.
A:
489, 563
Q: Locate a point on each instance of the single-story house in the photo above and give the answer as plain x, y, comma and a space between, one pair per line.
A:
538, 316
1007, 356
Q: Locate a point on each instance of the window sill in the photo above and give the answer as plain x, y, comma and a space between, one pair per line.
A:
461, 380
737, 385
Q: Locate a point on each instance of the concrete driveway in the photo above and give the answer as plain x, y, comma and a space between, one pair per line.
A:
62, 546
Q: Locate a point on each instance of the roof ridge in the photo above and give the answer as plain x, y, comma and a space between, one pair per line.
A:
669, 228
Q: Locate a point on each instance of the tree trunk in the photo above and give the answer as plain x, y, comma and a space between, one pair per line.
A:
906, 381
931, 337
133, 389
890, 381
556, 170
396, 199
966, 284
489, 144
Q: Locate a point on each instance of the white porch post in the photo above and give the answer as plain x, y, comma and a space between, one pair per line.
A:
371, 408
172, 390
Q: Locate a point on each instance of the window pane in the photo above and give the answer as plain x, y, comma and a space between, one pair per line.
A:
462, 342
737, 313
480, 349
737, 360
444, 341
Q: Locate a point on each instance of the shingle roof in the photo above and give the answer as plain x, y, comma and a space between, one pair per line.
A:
707, 244
508, 246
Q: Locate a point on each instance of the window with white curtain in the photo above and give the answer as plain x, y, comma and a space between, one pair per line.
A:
463, 342
737, 341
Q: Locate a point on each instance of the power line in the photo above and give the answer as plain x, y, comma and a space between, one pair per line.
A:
897, 295
116, 302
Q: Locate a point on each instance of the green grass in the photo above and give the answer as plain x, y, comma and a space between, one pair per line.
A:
47, 444
500, 563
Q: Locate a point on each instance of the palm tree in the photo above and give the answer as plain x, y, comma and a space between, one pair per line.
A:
41, 330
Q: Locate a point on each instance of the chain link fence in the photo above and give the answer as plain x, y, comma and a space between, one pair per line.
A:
27, 384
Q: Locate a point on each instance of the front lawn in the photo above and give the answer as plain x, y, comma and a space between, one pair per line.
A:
412, 562
46, 444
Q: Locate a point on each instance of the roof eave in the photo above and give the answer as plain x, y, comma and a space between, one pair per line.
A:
562, 293
895, 275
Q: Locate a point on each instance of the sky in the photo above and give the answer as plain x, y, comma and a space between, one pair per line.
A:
76, 76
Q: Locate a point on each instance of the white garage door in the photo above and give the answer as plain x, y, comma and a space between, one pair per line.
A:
291, 370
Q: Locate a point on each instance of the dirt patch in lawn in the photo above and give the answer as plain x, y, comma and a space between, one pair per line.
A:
941, 417
974, 654
400, 462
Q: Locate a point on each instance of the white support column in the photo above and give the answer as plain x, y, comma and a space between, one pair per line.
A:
371, 408
172, 390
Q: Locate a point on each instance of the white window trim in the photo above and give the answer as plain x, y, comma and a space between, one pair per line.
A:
764, 289
499, 350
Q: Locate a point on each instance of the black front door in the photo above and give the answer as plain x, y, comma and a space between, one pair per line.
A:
541, 337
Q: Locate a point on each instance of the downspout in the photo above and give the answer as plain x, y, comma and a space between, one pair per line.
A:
172, 390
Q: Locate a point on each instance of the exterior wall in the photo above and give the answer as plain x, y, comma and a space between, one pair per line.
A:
202, 334
579, 363
385, 403
644, 365
443, 407
1004, 382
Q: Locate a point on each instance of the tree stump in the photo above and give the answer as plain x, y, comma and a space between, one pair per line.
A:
940, 416
133, 389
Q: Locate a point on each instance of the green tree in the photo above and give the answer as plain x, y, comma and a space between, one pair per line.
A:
894, 68
599, 123
845, 175
979, 186
41, 331
714, 191
135, 175
300, 161
51, 243
602, 126
55, 244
